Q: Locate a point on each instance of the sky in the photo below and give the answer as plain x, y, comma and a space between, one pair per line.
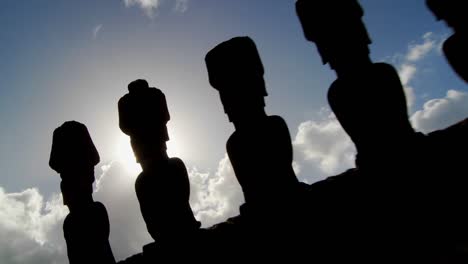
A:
72, 60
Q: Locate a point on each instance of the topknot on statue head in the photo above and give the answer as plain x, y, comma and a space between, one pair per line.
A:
137, 85
143, 111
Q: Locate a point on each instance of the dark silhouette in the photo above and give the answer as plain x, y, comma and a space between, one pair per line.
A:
260, 149
402, 203
163, 188
449, 146
343, 44
392, 195
453, 12
86, 227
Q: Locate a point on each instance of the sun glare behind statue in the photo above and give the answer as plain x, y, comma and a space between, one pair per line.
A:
127, 159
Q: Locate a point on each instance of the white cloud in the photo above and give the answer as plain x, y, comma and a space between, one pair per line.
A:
96, 31
410, 96
296, 167
324, 147
407, 72
151, 6
408, 67
34, 227
148, 6
31, 229
442, 112
417, 52
215, 197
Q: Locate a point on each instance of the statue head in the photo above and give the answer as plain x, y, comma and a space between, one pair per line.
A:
73, 152
452, 11
143, 115
336, 27
236, 71
74, 156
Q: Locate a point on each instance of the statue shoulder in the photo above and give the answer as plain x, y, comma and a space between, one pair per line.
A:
277, 121
99, 208
385, 68
176, 162
177, 165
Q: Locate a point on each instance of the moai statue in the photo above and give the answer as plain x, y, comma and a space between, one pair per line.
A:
451, 143
260, 149
454, 13
163, 188
368, 100
86, 227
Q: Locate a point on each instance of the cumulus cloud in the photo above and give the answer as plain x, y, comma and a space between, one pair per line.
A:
31, 228
417, 51
215, 196
407, 72
442, 112
33, 225
322, 148
151, 6
408, 63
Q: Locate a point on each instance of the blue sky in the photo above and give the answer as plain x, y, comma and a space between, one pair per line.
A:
72, 60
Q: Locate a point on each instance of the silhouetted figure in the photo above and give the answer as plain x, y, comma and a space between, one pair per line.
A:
163, 188
362, 86
260, 149
454, 13
450, 143
86, 227
392, 195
